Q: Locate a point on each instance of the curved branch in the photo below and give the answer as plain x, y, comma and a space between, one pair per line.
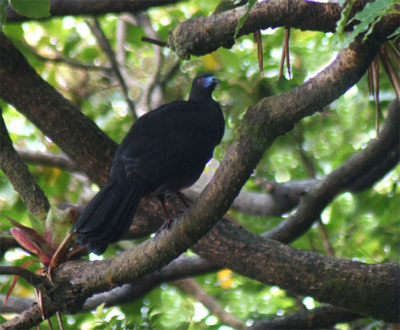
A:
377, 172
371, 290
178, 269
30, 277
20, 177
317, 318
203, 35
105, 45
54, 115
91, 7
342, 179
190, 287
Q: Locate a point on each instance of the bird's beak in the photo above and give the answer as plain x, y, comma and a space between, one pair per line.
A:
215, 81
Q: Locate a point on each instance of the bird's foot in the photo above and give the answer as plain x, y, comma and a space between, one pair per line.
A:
167, 225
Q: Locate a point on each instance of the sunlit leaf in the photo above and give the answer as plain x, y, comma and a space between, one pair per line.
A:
242, 19
32, 8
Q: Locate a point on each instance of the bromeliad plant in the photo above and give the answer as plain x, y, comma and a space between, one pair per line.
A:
50, 240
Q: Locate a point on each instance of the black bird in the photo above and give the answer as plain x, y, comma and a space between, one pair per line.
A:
164, 152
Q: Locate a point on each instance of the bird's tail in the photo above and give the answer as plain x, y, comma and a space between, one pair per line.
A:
109, 214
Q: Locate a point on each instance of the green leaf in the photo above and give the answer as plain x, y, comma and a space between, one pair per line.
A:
32, 8
3, 13
37, 224
368, 17
58, 228
395, 33
242, 19
225, 5
155, 317
341, 24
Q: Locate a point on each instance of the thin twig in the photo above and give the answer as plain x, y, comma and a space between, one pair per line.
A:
121, 38
325, 238
190, 287
154, 42
58, 58
105, 45
153, 79
47, 159
30, 277
20, 177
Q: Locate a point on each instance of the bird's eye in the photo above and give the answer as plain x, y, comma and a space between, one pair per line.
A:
200, 81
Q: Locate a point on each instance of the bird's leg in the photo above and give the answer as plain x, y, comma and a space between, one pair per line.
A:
185, 200
168, 220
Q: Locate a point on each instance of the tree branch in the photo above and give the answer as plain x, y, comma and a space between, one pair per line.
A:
190, 287
30, 277
54, 115
366, 289
20, 177
178, 269
203, 35
342, 179
47, 159
105, 45
59, 58
317, 318
15, 304
92, 7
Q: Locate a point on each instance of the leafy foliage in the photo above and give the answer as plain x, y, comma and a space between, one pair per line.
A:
32, 8
367, 18
242, 19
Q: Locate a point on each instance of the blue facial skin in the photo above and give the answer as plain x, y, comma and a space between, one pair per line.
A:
208, 81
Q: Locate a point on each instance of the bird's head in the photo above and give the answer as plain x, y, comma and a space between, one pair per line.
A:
203, 86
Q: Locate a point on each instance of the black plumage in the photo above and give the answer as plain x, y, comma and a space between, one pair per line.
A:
164, 152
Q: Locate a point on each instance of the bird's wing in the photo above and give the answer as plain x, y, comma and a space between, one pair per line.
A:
177, 133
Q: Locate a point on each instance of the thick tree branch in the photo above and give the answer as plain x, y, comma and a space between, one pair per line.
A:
317, 318
203, 35
15, 304
54, 115
92, 7
378, 171
365, 289
180, 268
20, 177
370, 290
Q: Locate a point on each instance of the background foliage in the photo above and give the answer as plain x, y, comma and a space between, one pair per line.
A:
361, 227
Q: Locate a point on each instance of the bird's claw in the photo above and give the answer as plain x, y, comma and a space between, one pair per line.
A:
166, 225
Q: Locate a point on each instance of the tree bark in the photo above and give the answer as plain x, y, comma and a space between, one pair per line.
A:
54, 115
92, 7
